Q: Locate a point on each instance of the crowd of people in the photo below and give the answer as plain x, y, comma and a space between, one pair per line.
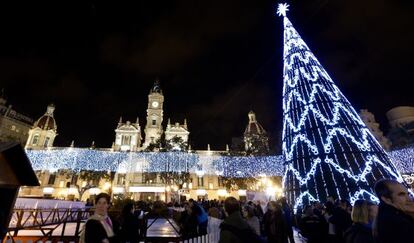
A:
335, 221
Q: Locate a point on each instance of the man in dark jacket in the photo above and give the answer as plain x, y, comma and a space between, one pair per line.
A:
395, 222
234, 228
313, 227
341, 219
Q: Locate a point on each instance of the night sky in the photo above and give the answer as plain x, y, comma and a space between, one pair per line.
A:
215, 59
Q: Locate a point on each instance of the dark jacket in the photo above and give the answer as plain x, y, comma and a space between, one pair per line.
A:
188, 225
342, 221
359, 233
235, 229
275, 227
314, 228
95, 232
392, 225
129, 229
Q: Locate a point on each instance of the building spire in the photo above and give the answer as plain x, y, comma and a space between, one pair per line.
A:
252, 117
50, 109
156, 88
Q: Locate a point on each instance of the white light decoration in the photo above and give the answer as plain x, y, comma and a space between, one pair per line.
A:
327, 148
79, 159
48, 190
282, 9
123, 162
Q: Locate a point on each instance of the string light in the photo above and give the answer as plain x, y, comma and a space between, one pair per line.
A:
78, 159
325, 143
122, 162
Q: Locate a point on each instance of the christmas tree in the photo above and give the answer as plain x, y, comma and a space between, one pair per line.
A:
328, 150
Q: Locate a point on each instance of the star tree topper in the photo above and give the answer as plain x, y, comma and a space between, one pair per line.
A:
282, 9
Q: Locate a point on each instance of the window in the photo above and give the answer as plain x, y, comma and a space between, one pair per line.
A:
220, 181
126, 140
35, 139
52, 179
74, 179
46, 142
154, 122
200, 181
121, 179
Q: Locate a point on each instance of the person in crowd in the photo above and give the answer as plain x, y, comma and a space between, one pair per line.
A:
202, 217
129, 225
361, 230
287, 213
188, 222
395, 220
234, 228
99, 227
274, 224
372, 213
214, 212
251, 218
88, 203
341, 219
313, 226
328, 212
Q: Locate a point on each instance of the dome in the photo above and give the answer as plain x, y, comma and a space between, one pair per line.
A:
253, 127
47, 121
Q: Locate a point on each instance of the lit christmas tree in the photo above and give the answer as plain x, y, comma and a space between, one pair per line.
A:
327, 147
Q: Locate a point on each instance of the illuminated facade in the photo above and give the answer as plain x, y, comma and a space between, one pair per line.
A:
43, 133
14, 127
255, 137
369, 119
177, 130
153, 128
127, 136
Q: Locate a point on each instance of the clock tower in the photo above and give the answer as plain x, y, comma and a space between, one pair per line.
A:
153, 129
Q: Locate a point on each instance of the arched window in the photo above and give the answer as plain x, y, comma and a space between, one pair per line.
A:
46, 142
35, 139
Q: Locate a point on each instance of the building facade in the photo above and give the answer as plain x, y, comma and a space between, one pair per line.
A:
14, 127
135, 179
401, 121
177, 135
44, 131
127, 136
256, 140
369, 119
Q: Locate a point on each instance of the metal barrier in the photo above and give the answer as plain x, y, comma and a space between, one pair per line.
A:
46, 220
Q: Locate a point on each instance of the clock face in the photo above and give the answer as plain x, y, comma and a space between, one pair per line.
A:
155, 104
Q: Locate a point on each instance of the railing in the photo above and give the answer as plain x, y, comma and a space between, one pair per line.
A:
46, 220
213, 235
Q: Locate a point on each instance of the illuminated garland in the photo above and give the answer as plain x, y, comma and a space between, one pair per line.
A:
235, 166
328, 150
78, 159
